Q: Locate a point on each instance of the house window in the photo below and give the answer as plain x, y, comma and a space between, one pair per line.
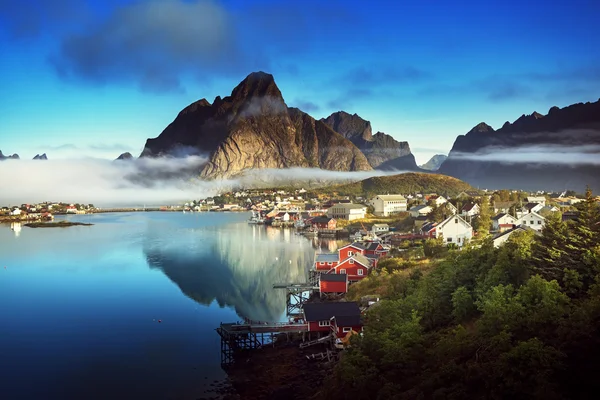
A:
350, 253
539, 222
531, 222
321, 263
456, 220
449, 240
351, 261
329, 263
342, 271
346, 329
324, 323
360, 271
458, 240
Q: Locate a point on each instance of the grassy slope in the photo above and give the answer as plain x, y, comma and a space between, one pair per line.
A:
413, 182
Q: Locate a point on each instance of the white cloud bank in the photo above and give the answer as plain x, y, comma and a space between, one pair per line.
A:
146, 181
543, 154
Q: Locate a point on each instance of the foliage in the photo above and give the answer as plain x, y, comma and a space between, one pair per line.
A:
412, 182
521, 321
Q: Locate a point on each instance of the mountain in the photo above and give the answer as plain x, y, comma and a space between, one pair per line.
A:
382, 150
125, 156
434, 162
556, 151
40, 157
254, 128
13, 157
410, 182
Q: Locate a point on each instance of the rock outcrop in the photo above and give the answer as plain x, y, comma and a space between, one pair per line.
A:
253, 128
556, 151
434, 162
382, 150
11, 157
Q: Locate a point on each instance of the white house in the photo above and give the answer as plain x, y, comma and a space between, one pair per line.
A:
16, 212
421, 210
537, 199
438, 200
347, 211
532, 220
470, 210
454, 230
389, 204
380, 228
502, 222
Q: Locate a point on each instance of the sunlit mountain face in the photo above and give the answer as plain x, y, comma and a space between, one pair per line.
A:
235, 265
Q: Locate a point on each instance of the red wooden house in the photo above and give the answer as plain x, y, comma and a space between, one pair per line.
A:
356, 267
350, 250
333, 317
333, 284
323, 222
325, 262
375, 249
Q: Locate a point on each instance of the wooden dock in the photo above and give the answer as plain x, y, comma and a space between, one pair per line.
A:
273, 327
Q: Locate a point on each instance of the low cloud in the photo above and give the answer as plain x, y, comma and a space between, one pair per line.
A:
149, 181
307, 106
539, 154
266, 105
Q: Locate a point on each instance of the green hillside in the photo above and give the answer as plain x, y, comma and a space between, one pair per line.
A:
412, 182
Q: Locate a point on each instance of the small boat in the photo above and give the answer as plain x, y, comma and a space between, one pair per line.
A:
256, 218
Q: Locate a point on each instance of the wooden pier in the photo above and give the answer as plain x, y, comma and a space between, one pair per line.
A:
297, 294
236, 337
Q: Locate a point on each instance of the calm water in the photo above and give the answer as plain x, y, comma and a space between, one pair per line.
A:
79, 306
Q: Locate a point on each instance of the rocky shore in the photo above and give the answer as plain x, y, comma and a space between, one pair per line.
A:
60, 224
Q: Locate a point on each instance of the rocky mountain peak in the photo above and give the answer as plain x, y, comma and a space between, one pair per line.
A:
40, 157
12, 157
257, 84
125, 156
481, 127
351, 126
537, 115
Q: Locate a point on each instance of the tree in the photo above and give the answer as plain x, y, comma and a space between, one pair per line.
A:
504, 195
485, 217
462, 304
549, 252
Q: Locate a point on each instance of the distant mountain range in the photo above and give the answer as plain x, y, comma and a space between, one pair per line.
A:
434, 162
16, 157
557, 151
253, 128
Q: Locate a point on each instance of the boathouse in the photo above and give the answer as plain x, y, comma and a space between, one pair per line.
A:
340, 317
333, 284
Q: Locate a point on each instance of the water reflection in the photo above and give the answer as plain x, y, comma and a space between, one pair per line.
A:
235, 264
16, 228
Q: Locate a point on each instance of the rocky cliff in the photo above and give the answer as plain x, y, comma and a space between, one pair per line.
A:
12, 157
253, 128
556, 151
382, 150
434, 162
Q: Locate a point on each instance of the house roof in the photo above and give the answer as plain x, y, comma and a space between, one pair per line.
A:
513, 230
468, 206
428, 227
441, 224
530, 206
326, 311
497, 217
321, 220
419, 208
362, 260
503, 204
391, 197
356, 245
371, 245
327, 257
534, 214
333, 277
350, 206
348, 320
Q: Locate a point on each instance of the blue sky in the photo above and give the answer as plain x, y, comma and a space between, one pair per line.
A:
96, 78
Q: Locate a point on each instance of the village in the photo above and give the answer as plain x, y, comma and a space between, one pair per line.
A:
384, 225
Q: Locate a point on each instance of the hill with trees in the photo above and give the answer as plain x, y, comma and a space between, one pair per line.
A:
411, 182
521, 321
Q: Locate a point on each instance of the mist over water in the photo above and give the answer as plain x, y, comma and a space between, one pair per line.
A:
144, 181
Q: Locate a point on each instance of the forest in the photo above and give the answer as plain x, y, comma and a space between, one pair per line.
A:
521, 321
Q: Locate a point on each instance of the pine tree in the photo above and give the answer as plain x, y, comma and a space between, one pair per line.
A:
550, 252
485, 216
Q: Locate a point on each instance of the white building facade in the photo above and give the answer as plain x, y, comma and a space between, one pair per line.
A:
389, 204
349, 212
532, 220
454, 230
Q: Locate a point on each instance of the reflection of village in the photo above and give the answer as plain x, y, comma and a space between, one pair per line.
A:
317, 312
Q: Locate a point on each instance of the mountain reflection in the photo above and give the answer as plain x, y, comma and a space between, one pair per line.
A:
235, 264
